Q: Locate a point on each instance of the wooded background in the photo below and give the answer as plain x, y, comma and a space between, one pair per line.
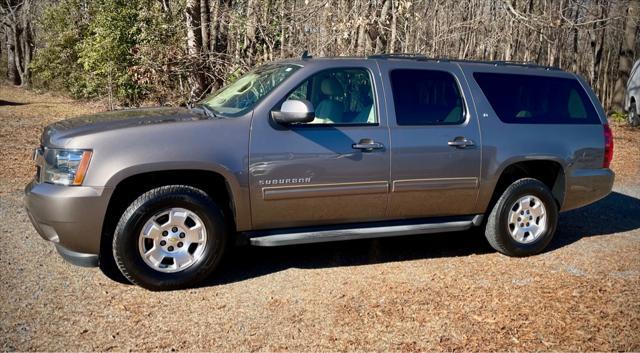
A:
176, 51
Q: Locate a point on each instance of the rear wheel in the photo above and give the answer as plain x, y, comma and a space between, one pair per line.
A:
632, 115
523, 220
169, 238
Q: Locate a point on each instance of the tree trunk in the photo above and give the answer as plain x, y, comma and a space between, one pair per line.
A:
12, 71
222, 24
25, 41
596, 56
19, 40
574, 57
250, 32
283, 28
205, 20
394, 27
626, 55
214, 24
166, 7
361, 39
194, 46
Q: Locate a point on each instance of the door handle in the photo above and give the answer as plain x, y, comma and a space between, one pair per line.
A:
461, 142
367, 145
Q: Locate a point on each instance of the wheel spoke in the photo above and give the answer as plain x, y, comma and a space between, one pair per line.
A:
519, 234
195, 234
152, 231
524, 203
537, 210
518, 207
514, 231
513, 217
154, 255
182, 258
178, 216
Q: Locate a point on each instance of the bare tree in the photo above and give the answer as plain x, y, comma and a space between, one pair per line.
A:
626, 54
18, 34
594, 38
196, 77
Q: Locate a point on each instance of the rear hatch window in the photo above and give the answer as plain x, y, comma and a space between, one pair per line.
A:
527, 99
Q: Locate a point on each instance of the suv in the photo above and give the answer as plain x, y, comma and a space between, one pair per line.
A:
317, 150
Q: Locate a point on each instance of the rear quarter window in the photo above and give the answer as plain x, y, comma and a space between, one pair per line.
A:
527, 99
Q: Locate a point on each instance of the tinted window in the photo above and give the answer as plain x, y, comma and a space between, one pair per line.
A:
426, 97
339, 96
530, 99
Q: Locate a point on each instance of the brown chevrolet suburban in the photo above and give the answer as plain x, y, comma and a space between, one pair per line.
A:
326, 149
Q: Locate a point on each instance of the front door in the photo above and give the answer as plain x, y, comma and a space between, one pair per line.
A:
435, 159
316, 173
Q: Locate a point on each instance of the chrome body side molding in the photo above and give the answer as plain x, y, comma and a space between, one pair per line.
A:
324, 190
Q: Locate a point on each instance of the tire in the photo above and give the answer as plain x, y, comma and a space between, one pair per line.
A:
166, 214
107, 263
632, 115
500, 224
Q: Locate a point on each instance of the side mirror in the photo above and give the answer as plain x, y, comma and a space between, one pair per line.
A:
294, 111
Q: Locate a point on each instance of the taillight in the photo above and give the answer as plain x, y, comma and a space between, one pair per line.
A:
608, 146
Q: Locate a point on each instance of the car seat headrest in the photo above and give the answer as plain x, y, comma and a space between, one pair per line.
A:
331, 87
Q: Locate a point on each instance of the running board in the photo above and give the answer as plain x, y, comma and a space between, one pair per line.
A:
351, 232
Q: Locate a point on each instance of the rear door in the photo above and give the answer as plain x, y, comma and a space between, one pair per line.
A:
435, 151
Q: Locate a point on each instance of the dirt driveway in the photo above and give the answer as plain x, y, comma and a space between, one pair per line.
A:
422, 293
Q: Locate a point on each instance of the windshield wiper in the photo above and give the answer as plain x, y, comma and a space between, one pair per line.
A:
207, 110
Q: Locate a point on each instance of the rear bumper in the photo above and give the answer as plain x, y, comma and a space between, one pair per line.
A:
586, 186
70, 217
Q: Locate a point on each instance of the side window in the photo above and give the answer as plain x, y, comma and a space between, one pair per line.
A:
339, 96
529, 99
575, 107
426, 97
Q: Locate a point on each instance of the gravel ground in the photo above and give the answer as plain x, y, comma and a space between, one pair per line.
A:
421, 293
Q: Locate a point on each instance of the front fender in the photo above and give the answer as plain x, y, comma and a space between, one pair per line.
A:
219, 146
239, 193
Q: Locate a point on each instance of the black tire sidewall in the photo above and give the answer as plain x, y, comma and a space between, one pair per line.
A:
125, 244
634, 119
512, 194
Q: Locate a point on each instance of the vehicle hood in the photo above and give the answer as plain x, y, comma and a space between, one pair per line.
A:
122, 119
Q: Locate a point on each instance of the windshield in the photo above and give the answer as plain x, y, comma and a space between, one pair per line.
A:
241, 95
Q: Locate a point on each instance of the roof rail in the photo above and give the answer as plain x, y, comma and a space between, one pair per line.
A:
396, 55
525, 64
421, 57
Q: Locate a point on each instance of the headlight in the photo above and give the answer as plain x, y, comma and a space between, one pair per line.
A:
65, 167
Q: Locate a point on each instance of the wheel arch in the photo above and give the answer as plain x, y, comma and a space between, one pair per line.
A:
549, 171
128, 185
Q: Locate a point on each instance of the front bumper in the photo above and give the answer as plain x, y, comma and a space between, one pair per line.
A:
77, 258
69, 216
586, 186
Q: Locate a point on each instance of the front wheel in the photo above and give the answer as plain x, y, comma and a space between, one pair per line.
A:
523, 220
171, 237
